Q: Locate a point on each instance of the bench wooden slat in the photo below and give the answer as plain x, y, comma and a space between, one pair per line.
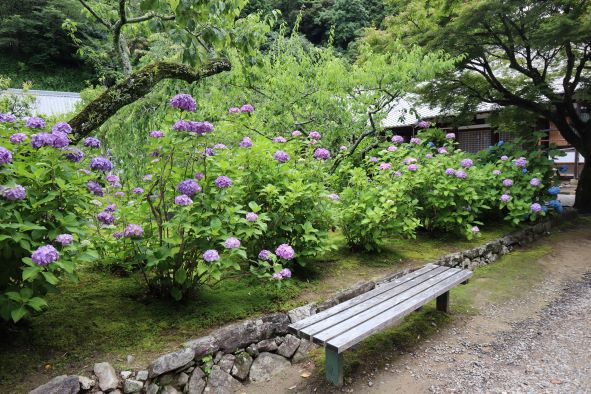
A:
367, 328
298, 326
383, 304
386, 297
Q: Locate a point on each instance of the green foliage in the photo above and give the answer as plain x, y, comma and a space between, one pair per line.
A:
51, 207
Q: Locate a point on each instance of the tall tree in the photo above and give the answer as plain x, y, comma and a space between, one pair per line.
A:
534, 55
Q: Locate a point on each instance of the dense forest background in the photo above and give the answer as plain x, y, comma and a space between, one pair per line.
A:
58, 46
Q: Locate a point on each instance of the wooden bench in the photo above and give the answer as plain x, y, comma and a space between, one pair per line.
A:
348, 323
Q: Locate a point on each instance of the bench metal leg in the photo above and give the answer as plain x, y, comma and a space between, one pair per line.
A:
334, 367
443, 302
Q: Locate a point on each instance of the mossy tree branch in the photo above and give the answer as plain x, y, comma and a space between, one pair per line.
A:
136, 86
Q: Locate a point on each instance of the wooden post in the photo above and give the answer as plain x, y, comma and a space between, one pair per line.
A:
443, 302
334, 367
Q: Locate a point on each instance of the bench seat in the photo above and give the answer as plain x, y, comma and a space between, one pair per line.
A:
348, 323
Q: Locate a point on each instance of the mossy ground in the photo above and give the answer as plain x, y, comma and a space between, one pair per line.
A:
106, 317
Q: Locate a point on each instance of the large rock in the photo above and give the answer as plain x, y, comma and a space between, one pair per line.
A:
203, 346
266, 365
242, 366
196, 382
289, 346
152, 388
132, 386
170, 362
227, 362
169, 390
86, 383
303, 350
220, 382
106, 375
240, 335
63, 384
302, 312
268, 345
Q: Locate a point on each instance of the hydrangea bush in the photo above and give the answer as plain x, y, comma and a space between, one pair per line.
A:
40, 206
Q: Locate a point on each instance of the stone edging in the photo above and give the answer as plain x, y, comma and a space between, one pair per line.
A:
255, 350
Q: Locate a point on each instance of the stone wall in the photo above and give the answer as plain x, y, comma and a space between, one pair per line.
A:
255, 350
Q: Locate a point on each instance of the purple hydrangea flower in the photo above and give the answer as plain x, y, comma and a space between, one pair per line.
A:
85, 171
343, 148
373, 159
507, 182
181, 125
450, 171
504, 158
75, 155
232, 243
200, 128
392, 148
423, 124
92, 142
285, 252
41, 139
95, 188
118, 234
475, 230
183, 200
137, 190
535, 207
184, 101
277, 276
296, 133
156, 134
199, 176
415, 140
211, 255
314, 135
64, 239
334, 197
246, 143
113, 180
7, 118
220, 146
496, 172
208, 152
234, 110
413, 167
188, 187
442, 150
59, 139
321, 154
466, 163
18, 138
280, 140
461, 174
35, 122
111, 208
119, 194
521, 162
265, 255
62, 127
397, 139
535, 182
13, 193
133, 231
285, 273
505, 198
410, 160
223, 182
101, 164
5, 156
45, 255
247, 108
105, 217
429, 155
281, 156
385, 166
252, 217
148, 177
450, 136
397, 173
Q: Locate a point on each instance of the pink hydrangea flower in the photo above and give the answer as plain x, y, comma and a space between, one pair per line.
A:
314, 135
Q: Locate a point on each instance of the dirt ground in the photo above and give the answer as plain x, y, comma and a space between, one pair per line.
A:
537, 341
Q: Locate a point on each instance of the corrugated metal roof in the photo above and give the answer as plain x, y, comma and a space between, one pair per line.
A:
49, 102
408, 112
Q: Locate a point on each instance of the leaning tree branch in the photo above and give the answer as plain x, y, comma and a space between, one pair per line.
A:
135, 87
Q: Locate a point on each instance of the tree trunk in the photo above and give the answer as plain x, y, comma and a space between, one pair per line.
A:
135, 87
583, 196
